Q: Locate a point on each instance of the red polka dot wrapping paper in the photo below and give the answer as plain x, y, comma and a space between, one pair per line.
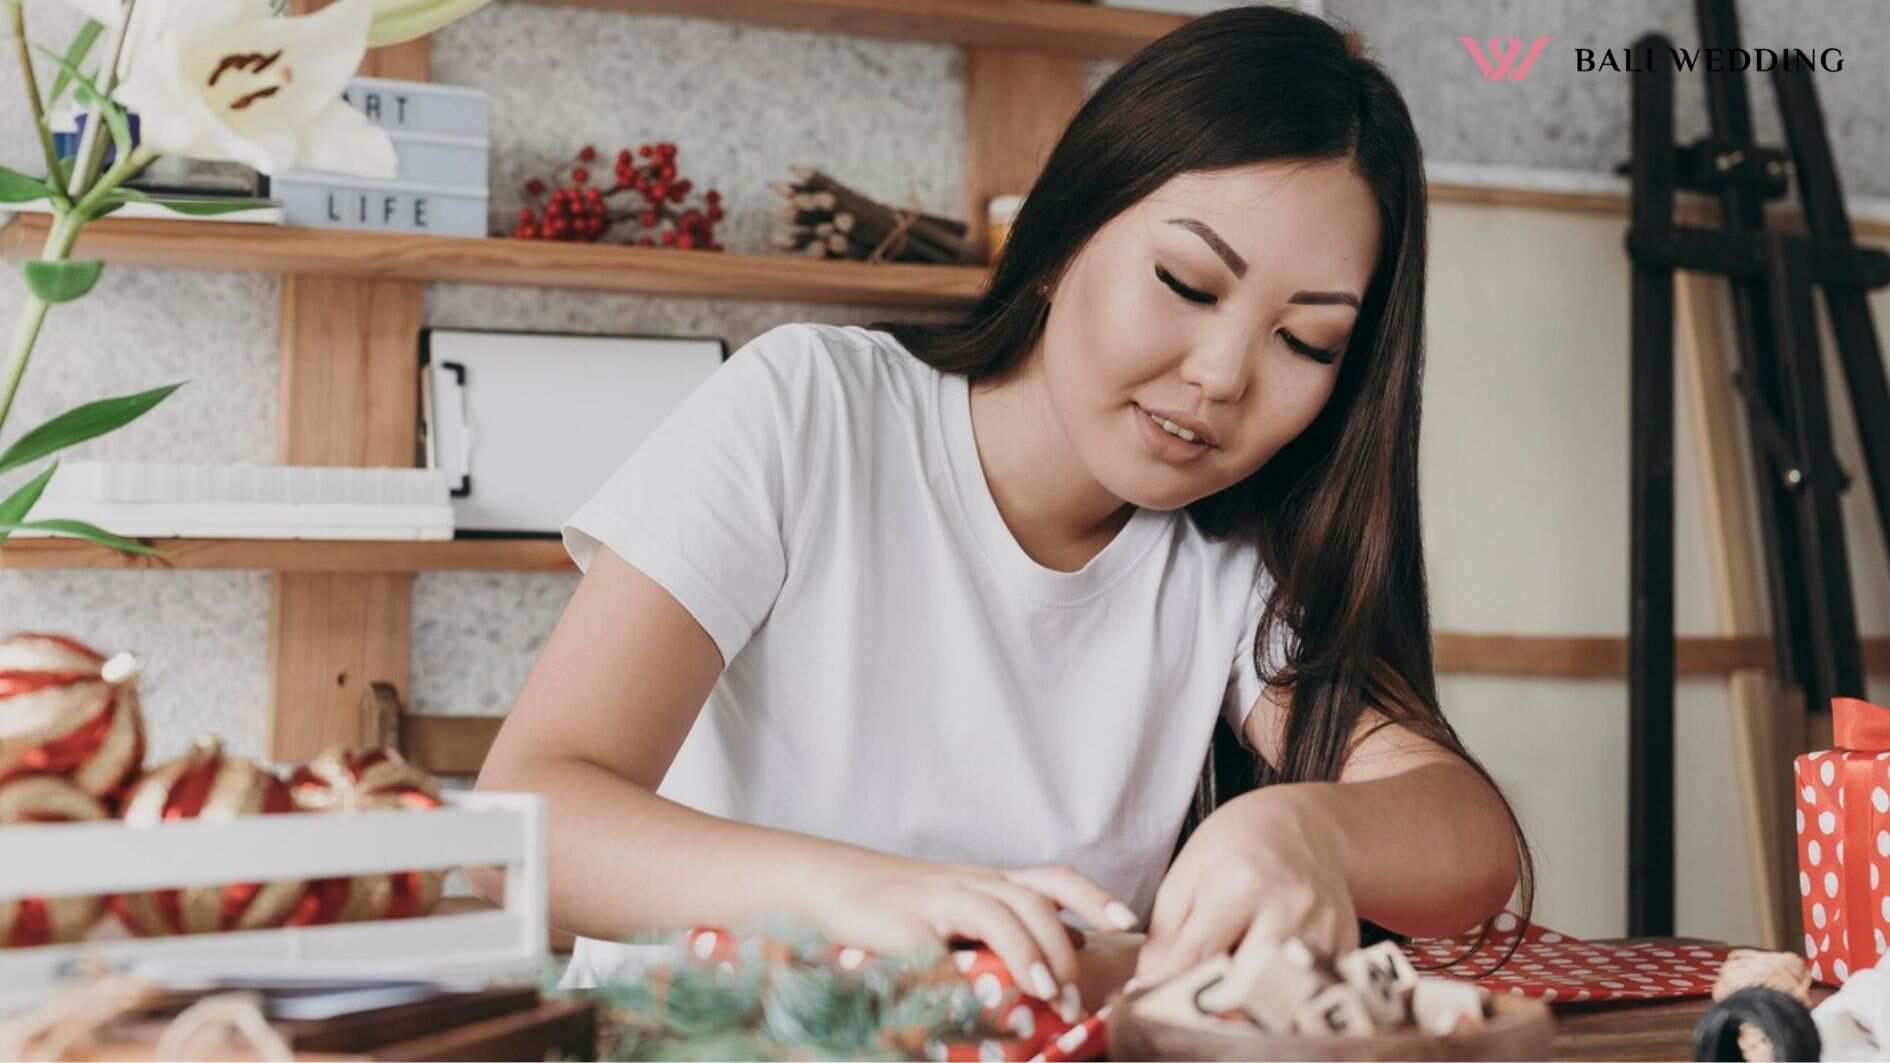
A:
1555, 967
1843, 823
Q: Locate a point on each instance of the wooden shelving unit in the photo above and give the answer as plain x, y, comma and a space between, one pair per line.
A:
1052, 27
296, 555
237, 246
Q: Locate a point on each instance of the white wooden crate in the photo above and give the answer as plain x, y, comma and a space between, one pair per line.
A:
507, 830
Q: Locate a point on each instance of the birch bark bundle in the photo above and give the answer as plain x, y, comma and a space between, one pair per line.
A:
822, 218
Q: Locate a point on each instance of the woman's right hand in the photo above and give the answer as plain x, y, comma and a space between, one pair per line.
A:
912, 904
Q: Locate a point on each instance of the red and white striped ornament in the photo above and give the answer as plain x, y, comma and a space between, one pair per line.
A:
206, 784
340, 780
26, 921
66, 710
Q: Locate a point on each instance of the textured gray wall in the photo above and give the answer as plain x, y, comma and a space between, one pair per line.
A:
1562, 119
743, 104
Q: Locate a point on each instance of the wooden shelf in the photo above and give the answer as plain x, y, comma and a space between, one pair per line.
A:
498, 260
1055, 27
298, 555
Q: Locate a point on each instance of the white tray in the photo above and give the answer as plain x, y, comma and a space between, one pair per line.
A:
508, 830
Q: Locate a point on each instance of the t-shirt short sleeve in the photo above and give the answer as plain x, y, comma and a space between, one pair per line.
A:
1243, 681
700, 506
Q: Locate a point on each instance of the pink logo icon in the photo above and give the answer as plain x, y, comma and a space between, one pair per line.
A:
1502, 54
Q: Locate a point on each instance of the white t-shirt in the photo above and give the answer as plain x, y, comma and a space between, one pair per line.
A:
900, 674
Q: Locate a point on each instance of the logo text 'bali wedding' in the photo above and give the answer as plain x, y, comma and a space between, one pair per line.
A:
1499, 61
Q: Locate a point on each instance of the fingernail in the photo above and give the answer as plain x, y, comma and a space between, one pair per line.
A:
1120, 915
1040, 979
1133, 984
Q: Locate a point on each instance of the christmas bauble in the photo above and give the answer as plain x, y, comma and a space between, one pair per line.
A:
66, 710
206, 784
342, 781
46, 920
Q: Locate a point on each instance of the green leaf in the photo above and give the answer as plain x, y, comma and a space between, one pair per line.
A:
75, 55
17, 505
195, 207
406, 20
82, 423
16, 187
88, 93
78, 529
61, 282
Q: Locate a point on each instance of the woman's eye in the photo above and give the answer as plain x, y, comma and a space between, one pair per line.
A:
1317, 354
1183, 290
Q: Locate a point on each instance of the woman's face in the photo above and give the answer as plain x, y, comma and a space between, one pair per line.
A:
1221, 304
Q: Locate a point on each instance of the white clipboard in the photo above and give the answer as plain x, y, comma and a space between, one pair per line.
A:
528, 425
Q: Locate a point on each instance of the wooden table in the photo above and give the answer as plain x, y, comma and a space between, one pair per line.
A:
1637, 1029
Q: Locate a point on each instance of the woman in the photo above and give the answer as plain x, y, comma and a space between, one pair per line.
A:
923, 633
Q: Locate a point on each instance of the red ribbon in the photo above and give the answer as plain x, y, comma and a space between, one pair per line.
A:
1859, 727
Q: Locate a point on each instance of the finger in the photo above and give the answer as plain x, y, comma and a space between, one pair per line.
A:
1171, 907
1038, 913
979, 915
1256, 946
1077, 892
1211, 927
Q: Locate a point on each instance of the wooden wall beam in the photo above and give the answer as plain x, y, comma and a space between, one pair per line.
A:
1016, 107
350, 396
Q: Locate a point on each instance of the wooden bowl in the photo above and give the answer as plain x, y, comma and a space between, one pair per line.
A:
1518, 1028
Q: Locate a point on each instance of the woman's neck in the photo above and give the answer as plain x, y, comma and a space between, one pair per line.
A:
1058, 513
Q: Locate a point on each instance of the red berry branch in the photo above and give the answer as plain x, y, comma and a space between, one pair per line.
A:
579, 206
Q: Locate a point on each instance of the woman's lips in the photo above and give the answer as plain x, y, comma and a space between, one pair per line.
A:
1164, 445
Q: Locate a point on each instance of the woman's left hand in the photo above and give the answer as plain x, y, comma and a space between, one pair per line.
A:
1263, 868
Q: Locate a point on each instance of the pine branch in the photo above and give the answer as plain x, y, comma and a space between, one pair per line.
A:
782, 998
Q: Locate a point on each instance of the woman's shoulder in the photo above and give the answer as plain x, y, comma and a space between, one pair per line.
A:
814, 367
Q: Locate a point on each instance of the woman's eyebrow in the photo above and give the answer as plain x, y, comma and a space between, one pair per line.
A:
1206, 232
1239, 265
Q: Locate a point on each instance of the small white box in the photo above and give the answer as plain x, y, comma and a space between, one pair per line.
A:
327, 201
419, 106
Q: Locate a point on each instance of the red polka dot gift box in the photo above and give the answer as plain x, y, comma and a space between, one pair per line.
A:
1843, 822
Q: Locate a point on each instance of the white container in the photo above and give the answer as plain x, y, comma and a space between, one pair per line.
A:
325, 201
507, 830
419, 106
169, 500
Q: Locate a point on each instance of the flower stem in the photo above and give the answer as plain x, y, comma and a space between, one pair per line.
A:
65, 232
55, 177
91, 144
59, 242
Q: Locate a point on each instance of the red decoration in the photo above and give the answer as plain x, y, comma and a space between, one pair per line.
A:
205, 784
67, 711
46, 920
1556, 967
1843, 799
343, 781
583, 209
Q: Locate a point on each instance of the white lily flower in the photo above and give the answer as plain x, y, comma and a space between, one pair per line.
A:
151, 18
261, 90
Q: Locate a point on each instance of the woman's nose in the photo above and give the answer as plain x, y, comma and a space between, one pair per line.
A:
1220, 367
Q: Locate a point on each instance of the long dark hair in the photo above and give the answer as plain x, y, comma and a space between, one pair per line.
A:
1335, 512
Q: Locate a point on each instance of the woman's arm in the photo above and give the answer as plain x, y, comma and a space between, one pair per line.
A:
606, 707
1424, 844
1410, 838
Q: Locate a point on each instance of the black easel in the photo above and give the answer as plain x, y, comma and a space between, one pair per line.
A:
1771, 273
